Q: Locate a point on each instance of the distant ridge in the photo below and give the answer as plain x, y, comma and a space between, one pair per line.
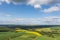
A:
28, 26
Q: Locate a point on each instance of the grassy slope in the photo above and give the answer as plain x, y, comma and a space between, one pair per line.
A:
16, 36
26, 36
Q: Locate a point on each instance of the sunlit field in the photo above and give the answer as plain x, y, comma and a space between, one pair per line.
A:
50, 33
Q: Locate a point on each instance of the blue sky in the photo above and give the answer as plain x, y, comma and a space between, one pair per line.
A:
30, 12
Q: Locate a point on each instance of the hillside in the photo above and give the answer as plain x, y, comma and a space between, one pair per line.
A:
18, 33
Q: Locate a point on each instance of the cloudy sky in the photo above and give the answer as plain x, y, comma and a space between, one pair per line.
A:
30, 12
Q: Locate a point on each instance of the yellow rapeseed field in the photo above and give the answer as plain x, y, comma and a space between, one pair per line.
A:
30, 32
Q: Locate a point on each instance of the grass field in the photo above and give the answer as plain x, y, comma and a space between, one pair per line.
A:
52, 33
25, 36
17, 36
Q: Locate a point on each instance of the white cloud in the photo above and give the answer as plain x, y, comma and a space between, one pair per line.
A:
38, 3
37, 6
51, 9
35, 3
32, 21
8, 1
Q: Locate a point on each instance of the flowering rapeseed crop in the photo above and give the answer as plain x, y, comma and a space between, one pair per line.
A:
30, 32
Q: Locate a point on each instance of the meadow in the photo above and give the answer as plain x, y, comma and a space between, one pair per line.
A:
48, 33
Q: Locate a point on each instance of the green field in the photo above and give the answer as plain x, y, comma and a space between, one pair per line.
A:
51, 33
24, 36
16, 36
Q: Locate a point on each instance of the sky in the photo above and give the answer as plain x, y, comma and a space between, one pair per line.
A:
30, 12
